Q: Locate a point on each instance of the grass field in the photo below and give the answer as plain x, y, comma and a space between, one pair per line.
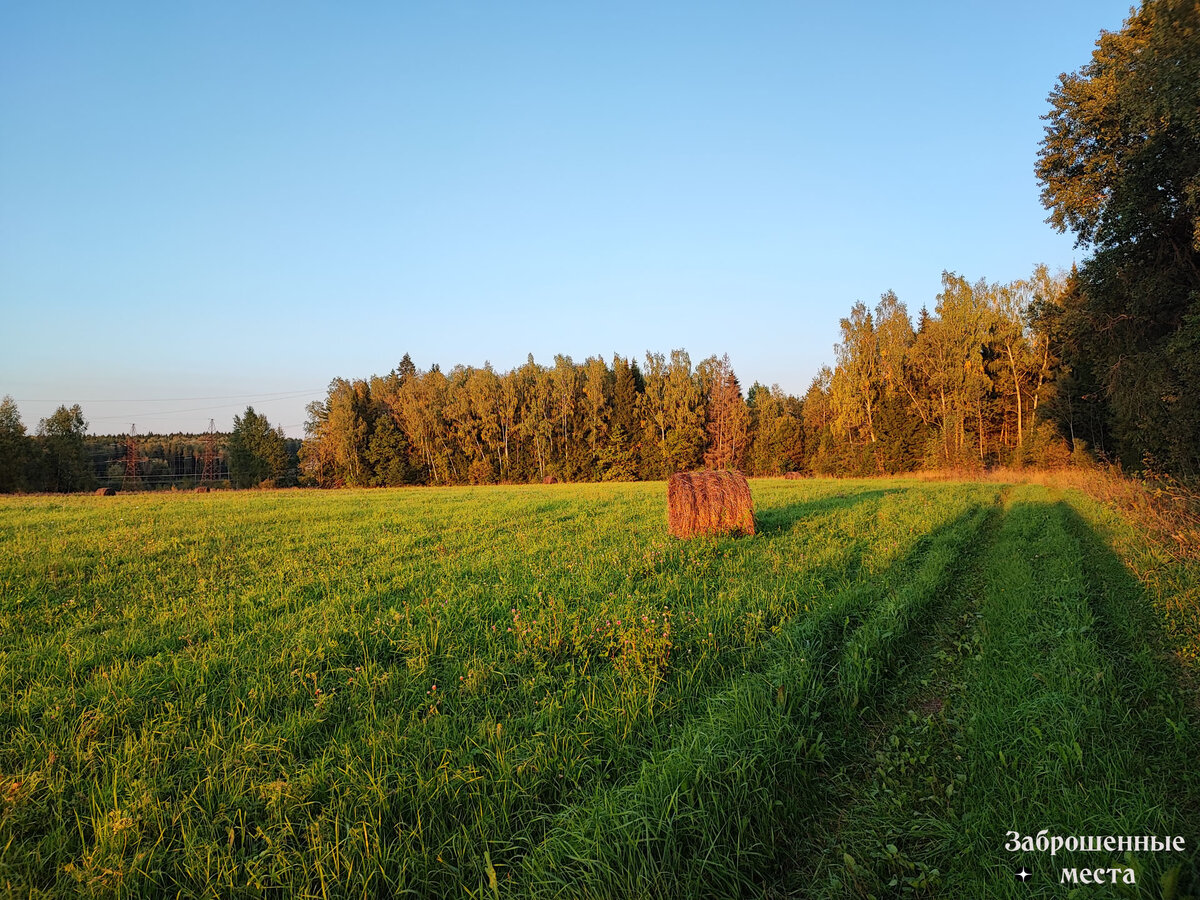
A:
533, 691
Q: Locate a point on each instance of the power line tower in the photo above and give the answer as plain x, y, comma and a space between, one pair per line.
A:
210, 453
132, 480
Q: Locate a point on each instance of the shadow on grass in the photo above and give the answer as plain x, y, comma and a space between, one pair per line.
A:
774, 520
724, 806
1123, 715
726, 802
1160, 723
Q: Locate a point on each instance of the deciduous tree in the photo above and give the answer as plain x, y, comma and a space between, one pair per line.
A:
63, 461
15, 450
1120, 167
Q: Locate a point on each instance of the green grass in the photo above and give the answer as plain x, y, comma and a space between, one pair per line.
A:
535, 692
1042, 705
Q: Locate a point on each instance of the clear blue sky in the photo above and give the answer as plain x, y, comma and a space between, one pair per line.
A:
237, 202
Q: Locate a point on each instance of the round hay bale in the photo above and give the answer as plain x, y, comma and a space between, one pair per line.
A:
709, 502
793, 475
549, 479
202, 489
105, 492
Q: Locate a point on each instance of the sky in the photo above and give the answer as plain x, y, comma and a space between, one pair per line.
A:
205, 206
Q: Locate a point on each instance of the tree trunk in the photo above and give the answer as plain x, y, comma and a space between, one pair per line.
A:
1016, 387
981, 454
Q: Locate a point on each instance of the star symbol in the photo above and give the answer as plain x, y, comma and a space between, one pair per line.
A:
1024, 875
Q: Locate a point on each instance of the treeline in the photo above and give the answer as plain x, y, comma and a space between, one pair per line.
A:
53, 459
594, 420
975, 383
978, 382
61, 457
989, 378
1103, 361
161, 460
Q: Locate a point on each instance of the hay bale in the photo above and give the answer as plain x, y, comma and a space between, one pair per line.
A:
793, 475
202, 489
105, 492
549, 479
709, 502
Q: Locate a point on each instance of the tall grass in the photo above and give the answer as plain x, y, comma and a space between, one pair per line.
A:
513, 691
1046, 705
739, 779
369, 691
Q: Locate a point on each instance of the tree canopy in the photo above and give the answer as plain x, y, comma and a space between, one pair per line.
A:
1120, 168
257, 452
1029, 371
593, 420
14, 448
64, 462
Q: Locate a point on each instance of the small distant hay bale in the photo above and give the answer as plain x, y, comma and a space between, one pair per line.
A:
709, 502
202, 489
105, 492
549, 479
793, 475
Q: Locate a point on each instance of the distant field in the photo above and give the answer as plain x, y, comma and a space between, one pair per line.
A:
492, 692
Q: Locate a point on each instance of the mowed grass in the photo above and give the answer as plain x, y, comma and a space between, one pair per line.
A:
533, 691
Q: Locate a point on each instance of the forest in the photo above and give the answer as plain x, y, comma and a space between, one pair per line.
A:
977, 382
1099, 363
61, 457
1095, 363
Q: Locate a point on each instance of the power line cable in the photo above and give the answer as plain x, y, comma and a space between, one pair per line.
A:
278, 394
174, 412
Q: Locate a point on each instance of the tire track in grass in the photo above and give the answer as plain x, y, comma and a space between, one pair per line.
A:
907, 827
301, 794
898, 777
718, 812
881, 641
857, 526
1052, 739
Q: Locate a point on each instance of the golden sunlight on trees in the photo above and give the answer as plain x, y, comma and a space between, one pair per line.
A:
1120, 168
